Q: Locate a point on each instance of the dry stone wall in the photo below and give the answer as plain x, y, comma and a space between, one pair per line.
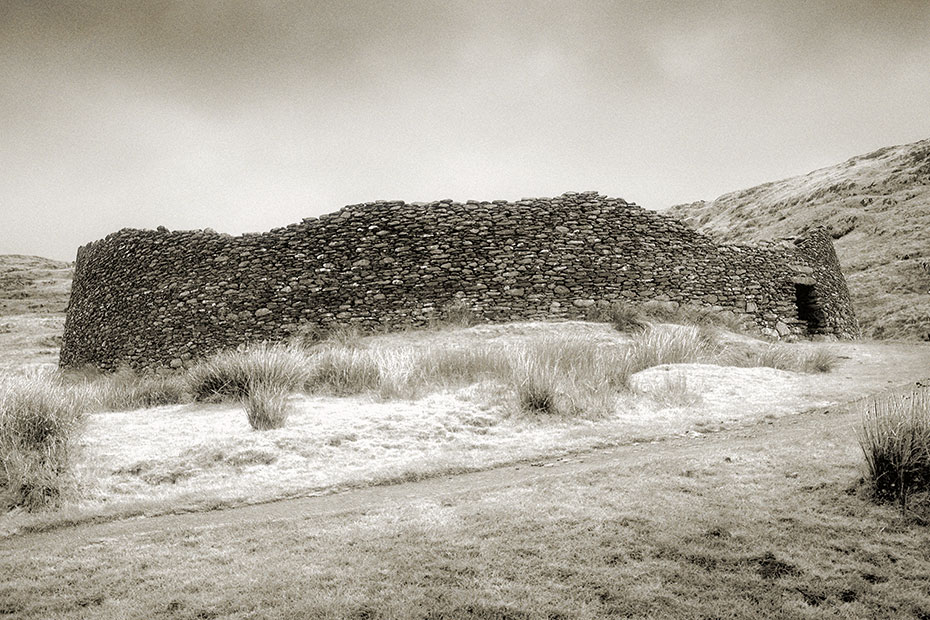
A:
157, 298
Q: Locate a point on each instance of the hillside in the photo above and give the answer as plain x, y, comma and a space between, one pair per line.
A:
33, 296
877, 207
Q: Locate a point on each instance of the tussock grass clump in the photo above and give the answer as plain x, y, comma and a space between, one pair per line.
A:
231, 374
819, 360
766, 356
343, 365
567, 377
571, 377
267, 406
895, 439
780, 357
125, 390
458, 365
39, 422
394, 372
349, 336
457, 313
343, 370
623, 317
551, 374
634, 317
308, 335
691, 314
675, 392
311, 335
679, 345
539, 387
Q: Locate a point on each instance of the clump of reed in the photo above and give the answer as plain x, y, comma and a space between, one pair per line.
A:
894, 436
40, 421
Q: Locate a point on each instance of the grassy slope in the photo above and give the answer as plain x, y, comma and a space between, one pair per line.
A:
753, 523
33, 285
33, 295
878, 207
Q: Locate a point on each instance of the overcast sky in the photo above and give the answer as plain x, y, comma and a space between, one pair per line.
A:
243, 116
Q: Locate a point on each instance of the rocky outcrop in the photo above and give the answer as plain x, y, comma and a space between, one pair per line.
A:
152, 298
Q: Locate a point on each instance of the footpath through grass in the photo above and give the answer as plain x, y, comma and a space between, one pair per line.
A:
762, 522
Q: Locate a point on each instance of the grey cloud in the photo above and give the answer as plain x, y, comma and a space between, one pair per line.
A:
248, 114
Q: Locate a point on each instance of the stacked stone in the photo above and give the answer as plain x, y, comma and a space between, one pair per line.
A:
817, 265
150, 299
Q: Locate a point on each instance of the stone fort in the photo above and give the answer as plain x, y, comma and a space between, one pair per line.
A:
159, 298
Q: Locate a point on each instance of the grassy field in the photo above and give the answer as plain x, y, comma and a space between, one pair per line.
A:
416, 404
760, 522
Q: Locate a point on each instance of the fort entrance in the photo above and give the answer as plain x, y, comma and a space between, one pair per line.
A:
809, 309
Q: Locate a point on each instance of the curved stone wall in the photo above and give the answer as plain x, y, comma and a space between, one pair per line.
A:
149, 298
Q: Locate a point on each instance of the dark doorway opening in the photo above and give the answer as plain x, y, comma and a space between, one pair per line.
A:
809, 309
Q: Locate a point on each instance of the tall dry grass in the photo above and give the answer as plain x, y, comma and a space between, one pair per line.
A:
550, 374
230, 374
672, 345
456, 313
818, 360
778, 356
454, 365
345, 370
624, 317
39, 423
675, 392
559, 375
125, 390
572, 377
692, 314
635, 317
401, 372
267, 406
895, 439
567, 377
